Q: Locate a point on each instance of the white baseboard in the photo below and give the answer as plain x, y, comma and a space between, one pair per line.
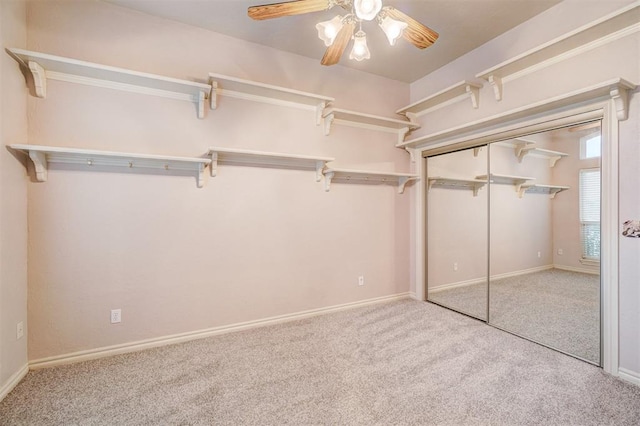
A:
629, 376
201, 334
574, 269
493, 277
13, 381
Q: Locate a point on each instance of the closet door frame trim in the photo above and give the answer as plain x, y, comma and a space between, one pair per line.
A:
601, 110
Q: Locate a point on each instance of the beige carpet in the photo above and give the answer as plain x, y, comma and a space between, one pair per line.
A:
557, 308
401, 363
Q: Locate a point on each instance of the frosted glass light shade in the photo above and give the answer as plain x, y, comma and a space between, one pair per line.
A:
328, 30
392, 28
360, 51
367, 9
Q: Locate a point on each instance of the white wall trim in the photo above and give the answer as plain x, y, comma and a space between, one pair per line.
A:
13, 381
629, 376
201, 334
609, 240
574, 269
493, 277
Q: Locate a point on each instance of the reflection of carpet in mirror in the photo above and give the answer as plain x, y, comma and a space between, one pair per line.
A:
558, 308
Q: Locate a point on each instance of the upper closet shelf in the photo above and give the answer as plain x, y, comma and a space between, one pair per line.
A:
266, 159
362, 176
522, 150
44, 66
516, 181
449, 182
367, 121
616, 89
537, 188
444, 97
43, 155
613, 26
245, 89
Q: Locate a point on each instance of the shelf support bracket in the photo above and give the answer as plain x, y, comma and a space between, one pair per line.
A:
521, 151
39, 79
412, 153
553, 161
213, 97
474, 94
496, 83
202, 97
476, 151
412, 116
319, 168
402, 182
476, 188
621, 101
402, 134
214, 164
327, 180
320, 111
430, 184
521, 191
200, 176
328, 121
40, 163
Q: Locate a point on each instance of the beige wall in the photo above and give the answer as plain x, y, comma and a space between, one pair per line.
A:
13, 198
253, 243
616, 59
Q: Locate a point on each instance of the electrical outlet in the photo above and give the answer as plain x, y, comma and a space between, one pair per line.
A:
539, 255
116, 316
361, 280
455, 266
560, 252
19, 330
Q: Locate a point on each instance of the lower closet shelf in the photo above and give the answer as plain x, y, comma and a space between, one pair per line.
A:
362, 176
43, 155
550, 190
267, 159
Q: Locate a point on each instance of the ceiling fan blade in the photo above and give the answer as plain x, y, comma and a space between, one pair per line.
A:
416, 33
334, 52
298, 7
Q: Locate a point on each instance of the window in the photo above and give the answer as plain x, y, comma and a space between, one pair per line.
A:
590, 146
590, 213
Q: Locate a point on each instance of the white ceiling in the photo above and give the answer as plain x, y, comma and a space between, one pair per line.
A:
463, 25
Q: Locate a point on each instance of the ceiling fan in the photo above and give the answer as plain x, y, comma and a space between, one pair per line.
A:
337, 32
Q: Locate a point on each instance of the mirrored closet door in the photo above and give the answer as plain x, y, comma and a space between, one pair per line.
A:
457, 238
545, 239
513, 236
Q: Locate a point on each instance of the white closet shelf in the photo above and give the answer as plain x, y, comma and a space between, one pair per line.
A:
614, 89
516, 181
611, 27
367, 121
43, 155
266, 159
251, 90
523, 150
537, 188
363, 176
451, 182
447, 96
43, 67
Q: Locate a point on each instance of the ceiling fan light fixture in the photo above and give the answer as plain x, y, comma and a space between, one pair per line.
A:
367, 10
392, 29
360, 50
328, 30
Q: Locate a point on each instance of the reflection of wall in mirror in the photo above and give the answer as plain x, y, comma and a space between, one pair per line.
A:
566, 206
